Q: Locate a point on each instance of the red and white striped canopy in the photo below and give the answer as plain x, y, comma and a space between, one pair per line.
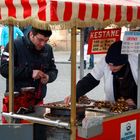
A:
69, 13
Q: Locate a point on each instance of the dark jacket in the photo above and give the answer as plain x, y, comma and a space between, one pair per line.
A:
27, 59
85, 85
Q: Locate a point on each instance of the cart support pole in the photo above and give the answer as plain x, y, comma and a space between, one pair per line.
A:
11, 72
49, 122
73, 84
82, 54
138, 96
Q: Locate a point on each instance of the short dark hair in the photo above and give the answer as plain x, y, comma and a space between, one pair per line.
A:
46, 32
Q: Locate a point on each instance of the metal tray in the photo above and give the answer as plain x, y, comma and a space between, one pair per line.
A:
60, 109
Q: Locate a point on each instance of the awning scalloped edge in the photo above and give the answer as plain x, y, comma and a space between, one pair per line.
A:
26, 22
66, 25
95, 23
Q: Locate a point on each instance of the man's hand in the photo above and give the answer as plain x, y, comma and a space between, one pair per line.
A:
45, 79
38, 74
130, 102
67, 100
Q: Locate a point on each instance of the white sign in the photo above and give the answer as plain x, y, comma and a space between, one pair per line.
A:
128, 130
131, 42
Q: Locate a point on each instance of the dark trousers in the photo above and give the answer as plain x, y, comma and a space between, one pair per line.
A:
91, 61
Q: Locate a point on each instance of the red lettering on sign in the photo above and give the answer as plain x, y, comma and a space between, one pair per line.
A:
132, 39
100, 40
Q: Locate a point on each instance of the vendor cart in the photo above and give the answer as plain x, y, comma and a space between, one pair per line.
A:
65, 14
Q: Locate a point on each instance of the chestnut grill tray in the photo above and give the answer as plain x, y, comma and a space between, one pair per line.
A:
107, 110
103, 111
60, 109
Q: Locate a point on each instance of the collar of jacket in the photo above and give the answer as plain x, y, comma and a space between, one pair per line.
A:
122, 71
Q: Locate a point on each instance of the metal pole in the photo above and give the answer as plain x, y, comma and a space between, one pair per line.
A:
73, 84
11, 71
82, 54
138, 94
49, 122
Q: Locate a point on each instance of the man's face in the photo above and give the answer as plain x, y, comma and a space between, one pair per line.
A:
39, 41
115, 68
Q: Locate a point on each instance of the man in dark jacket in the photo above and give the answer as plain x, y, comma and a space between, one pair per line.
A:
34, 64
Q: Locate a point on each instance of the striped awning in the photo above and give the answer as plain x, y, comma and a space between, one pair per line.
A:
69, 13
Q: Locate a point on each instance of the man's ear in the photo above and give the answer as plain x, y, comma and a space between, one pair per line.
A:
31, 34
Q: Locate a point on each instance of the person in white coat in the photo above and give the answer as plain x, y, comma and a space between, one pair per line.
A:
120, 73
